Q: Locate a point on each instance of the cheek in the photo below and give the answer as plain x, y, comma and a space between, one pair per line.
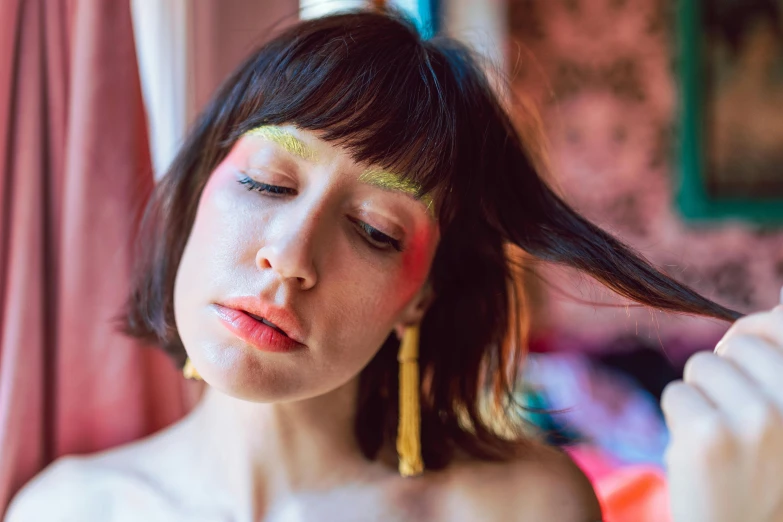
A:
416, 261
400, 285
220, 240
211, 218
222, 203
227, 213
416, 258
375, 296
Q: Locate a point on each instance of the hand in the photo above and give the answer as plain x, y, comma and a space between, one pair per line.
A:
725, 457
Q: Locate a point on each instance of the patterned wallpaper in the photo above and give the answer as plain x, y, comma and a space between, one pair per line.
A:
601, 73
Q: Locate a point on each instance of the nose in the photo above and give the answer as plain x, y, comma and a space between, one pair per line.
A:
288, 250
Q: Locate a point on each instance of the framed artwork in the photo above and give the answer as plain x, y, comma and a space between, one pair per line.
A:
731, 94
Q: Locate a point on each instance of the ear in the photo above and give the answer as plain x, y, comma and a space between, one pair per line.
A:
415, 310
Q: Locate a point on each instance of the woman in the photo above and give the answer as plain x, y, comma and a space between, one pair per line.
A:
351, 185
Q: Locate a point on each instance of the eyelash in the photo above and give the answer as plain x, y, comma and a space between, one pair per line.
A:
373, 235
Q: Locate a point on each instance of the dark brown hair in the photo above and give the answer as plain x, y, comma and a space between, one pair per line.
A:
425, 109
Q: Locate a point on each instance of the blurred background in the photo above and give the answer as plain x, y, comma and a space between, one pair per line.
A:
661, 121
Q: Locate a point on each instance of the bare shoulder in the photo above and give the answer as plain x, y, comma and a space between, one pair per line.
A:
546, 486
560, 490
64, 491
110, 486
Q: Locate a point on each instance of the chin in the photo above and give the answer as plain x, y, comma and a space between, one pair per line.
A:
245, 373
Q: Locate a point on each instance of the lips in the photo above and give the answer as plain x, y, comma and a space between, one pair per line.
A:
281, 318
259, 334
268, 323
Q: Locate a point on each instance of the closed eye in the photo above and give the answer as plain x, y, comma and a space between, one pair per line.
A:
377, 238
252, 184
374, 237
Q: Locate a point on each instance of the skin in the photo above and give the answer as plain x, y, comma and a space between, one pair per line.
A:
725, 457
303, 252
272, 438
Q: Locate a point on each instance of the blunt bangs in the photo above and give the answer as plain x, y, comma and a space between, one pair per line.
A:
368, 82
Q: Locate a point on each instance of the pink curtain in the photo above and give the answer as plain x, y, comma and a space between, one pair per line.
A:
75, 171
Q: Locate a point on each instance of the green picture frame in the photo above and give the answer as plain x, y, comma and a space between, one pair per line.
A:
692, 197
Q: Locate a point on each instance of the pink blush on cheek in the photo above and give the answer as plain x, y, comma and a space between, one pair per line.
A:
237, 159
214, 194
224, 173
209, 187
415, 261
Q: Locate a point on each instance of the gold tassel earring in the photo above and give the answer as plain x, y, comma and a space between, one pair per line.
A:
409, 428
189, 371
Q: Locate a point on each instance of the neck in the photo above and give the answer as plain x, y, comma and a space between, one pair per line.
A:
263, 452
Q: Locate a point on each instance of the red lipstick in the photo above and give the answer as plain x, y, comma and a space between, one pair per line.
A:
267, 328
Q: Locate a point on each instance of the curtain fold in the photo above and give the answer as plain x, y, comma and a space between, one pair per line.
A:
26, 231
75, 171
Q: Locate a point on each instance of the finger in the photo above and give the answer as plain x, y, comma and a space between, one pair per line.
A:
761, 361
768, 325
681, 403
733, 392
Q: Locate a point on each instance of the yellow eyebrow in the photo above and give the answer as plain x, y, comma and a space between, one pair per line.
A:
376, 177
389, 181
285, 139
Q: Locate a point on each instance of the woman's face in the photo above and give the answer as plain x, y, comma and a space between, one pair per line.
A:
332, 252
